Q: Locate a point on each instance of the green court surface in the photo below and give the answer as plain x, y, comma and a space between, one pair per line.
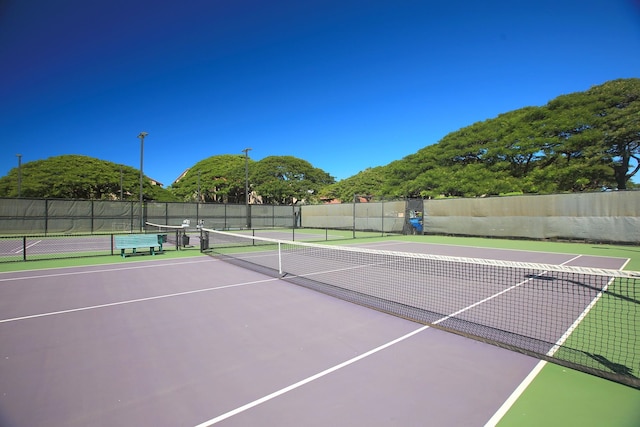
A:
560, 396
557, 396
564, 397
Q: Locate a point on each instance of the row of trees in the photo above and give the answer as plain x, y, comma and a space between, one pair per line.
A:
78, 177
273, 180
583, 141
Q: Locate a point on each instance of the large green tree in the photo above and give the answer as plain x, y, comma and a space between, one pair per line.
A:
287, 180
275, 179
367, 182
219, 179
583, 141
79, 177
617, 118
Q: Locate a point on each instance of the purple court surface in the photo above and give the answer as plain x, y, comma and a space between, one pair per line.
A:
199, 342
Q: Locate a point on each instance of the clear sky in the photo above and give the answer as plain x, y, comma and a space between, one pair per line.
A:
343, 84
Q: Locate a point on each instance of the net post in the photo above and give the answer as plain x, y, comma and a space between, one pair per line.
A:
279, 258
204, 240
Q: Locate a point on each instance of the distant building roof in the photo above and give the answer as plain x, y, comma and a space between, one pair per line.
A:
181, 175
154, 182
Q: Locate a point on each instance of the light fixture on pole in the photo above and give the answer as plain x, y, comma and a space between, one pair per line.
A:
142, 135
19, 174
246, 184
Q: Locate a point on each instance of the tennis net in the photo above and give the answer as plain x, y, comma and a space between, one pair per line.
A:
583, 318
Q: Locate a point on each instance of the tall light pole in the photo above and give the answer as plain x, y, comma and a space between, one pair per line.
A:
141, 136
246, 184
199, 187
19, 174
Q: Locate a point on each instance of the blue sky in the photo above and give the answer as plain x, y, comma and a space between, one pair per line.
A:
345, 85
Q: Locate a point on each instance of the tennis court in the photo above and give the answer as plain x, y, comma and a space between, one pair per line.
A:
198, 341
15, 247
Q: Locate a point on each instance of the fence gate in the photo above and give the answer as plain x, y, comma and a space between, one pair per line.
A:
413, 217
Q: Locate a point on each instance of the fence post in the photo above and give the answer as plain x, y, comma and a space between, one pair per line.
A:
382, 218
354, 215
46, 217
131, 218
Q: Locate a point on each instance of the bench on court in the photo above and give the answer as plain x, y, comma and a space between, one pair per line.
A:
135, 241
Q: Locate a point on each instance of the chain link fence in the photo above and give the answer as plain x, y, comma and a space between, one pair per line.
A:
44, 228
52, 216
380, 218
612, 217
32, 229
35, 247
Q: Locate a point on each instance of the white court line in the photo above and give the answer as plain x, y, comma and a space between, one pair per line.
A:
375, 245
93, 307
74, 273
502, 411
402, 242
294, 386
17, 251
308, 380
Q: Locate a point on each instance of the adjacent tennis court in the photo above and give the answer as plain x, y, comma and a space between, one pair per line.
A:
198, 341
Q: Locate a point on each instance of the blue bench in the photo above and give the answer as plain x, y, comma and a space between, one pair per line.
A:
135, 241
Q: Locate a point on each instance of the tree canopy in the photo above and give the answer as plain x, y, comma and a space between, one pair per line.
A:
367, 182
214, 179
287, 180
583, 141
273, 180
79, 177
